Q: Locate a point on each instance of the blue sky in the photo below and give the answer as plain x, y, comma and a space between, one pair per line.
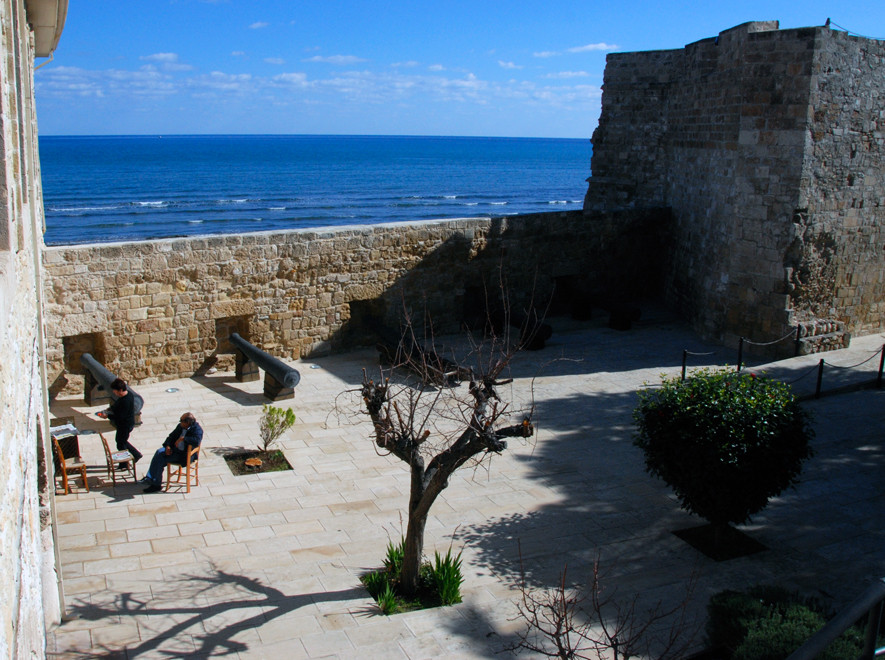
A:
515, 68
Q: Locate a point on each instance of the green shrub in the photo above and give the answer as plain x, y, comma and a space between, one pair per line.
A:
438, 583
274, 422
387, 600
447, 578
725, 442
769, 623
393, 562
375, 582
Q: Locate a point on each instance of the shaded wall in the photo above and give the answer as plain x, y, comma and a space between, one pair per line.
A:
162, 309
763, 143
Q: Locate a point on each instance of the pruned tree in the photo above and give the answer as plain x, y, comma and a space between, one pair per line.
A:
580, 623
437, 429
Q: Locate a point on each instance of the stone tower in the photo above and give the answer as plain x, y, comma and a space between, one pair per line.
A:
767, 145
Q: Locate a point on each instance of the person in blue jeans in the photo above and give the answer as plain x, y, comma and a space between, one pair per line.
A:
188, 433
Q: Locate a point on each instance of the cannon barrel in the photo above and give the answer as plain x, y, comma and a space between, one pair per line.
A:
281, 372
104, 378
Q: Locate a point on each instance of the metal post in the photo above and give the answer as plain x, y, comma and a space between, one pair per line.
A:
740, 353
872, 633
798, 343
820, 377
881, 363
684, 359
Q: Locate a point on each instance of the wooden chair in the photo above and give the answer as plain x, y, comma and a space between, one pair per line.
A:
117, 458
65, 464
189, 467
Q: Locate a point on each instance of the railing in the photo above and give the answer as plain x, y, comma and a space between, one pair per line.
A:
869, 603
817, 369
744, 340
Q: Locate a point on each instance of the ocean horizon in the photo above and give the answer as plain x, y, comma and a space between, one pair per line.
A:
100, 189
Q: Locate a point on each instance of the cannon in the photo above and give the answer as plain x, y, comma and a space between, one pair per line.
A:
97, 385
279, 378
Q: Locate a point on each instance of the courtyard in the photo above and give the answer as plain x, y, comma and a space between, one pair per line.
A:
268, 565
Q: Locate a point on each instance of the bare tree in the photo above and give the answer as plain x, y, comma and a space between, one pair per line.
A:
435, 427
574, 623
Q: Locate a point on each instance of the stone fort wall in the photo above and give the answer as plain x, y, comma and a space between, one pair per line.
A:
30, 590
764, 146
767, 146
163, 309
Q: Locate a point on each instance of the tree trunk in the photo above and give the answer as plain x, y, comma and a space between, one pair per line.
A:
414, 550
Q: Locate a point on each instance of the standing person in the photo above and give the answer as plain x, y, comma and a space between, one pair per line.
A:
122, 415
188, 433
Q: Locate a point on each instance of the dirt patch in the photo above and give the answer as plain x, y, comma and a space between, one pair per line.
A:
272, 461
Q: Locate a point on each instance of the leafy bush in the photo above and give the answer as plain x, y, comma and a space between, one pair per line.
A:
393, 562
447, 577
725, 442
769, 623
375, 582
439, 583
387, 600
274, 422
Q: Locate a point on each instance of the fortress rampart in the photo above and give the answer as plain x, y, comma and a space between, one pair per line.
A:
163, 309
740, 178
767, 145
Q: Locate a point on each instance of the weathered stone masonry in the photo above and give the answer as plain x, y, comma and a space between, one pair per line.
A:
764, 145
164, 309
767, 145
31, 598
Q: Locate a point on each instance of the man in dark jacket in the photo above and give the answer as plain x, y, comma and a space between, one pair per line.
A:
188, 433
122, 415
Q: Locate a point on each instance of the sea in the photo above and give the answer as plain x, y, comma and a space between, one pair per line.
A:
124, 188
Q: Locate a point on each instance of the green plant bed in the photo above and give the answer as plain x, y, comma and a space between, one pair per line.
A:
271, 461
439, 583
769, 623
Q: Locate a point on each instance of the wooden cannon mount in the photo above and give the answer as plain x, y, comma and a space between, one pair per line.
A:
279, 378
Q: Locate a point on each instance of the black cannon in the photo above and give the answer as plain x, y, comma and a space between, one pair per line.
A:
279, 378
97, 385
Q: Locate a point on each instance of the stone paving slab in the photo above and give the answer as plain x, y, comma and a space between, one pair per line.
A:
268, 565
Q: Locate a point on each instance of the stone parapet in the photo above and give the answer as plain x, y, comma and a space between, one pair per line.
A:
164, 309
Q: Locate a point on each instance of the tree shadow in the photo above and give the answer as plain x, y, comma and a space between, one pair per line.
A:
221, 604
823, 536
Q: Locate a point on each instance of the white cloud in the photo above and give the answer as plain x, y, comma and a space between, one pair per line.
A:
292, 79
335, 59
72, 86
258, 25
410, 63
238, 53
64, 81
568, 74
546, 53
218, 81
160, 57
274, 60
591, 47
508, 65
436, 67
167, 61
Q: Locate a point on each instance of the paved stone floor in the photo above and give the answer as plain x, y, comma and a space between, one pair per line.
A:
268, 566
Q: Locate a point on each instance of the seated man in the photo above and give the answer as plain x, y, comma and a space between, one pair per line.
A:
188, 433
